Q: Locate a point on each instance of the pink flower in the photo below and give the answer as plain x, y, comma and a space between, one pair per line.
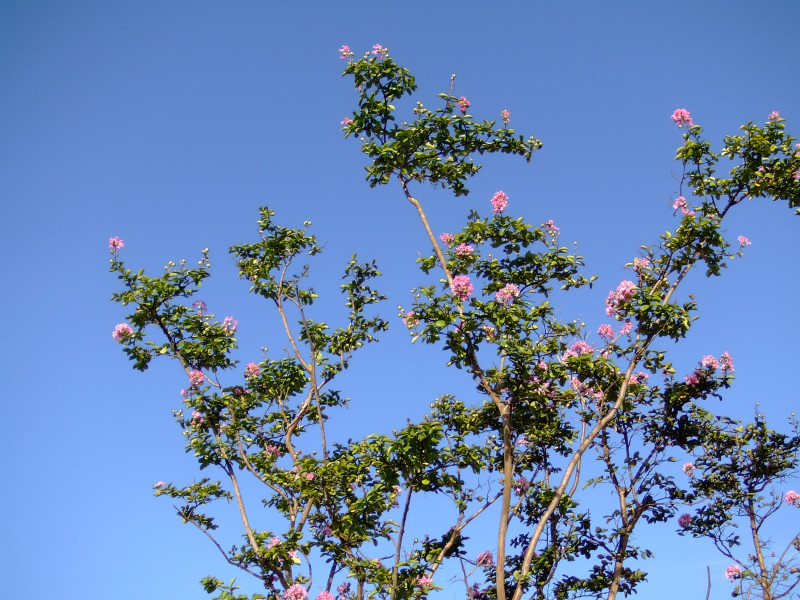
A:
733, 572
499, 202
200, 307
158, 485
508, 293
251, 370
424, 581
272, 452
792, 498
464, 250
726, 363
196, 378
506, 116
230, 324
684, 520
626, 328
688, 468
774, 115
379, 51
295, 592
197, 417
344, 52
346, 121
521, 486
523, 441
463, 104
273, 542
606, 332
709, 362
639, 378
325, 596
578, 348
743, 241
623, 293
343, 588
682, 117
692, 379
410, 319
115, 244
551, 228
309, 476
461, 287
639, 264
447, 238
485, 559
680, 202
122, 332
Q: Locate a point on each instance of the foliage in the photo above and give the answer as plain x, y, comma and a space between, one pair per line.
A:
548, 399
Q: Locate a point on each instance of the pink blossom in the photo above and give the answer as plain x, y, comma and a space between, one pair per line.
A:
309, 476
485, 559
626, 328
774, 115
796, 174
507, 293
343, 589
682, 117
551, 228
122, 332
688, 468
506, 116
490, 332
158, 485
447, 238
346, 121
684, 520
463, 104
200, 307
578, 348
197, 417
424, 581
639, 264
324, 595
692, 379
523, 441
499, 202
272, 452
733, 573
623, 293
410, 319
709, 362
115, 244
726, 363
464, 250
251, 370
792, 498
521, 486
230, 324
461, 287
606, 332
196, 378
743, 241
295, 592
680, 203
273, 542
344, 52
379, 51
639, 378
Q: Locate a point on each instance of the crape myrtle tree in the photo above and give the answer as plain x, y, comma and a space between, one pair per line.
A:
560, 411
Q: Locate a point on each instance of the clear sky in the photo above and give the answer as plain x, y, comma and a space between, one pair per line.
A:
169, 123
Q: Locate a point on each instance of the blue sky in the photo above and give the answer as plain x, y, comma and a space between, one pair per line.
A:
169, 123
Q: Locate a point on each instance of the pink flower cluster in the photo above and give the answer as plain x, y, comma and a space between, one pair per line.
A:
461, 287
506, 116
346, 121
485, 559
792, 498
680, 203
464, 250
200, 307
197, 417
295, 592
743, 241
774, 115
733, 573
271, 452
578, 348
424, 581
551, 228
688, 468
447, 238
344, 52
463, 104
499, 202
626, 328
325, 595
507, 293
122, 332
639, 264
251, 370
623, 294
115, 244
521, 486
230, 324
682, 117
410, 319
196, 378
158, 485
606, 332
379, 51
684, 520
584, 389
